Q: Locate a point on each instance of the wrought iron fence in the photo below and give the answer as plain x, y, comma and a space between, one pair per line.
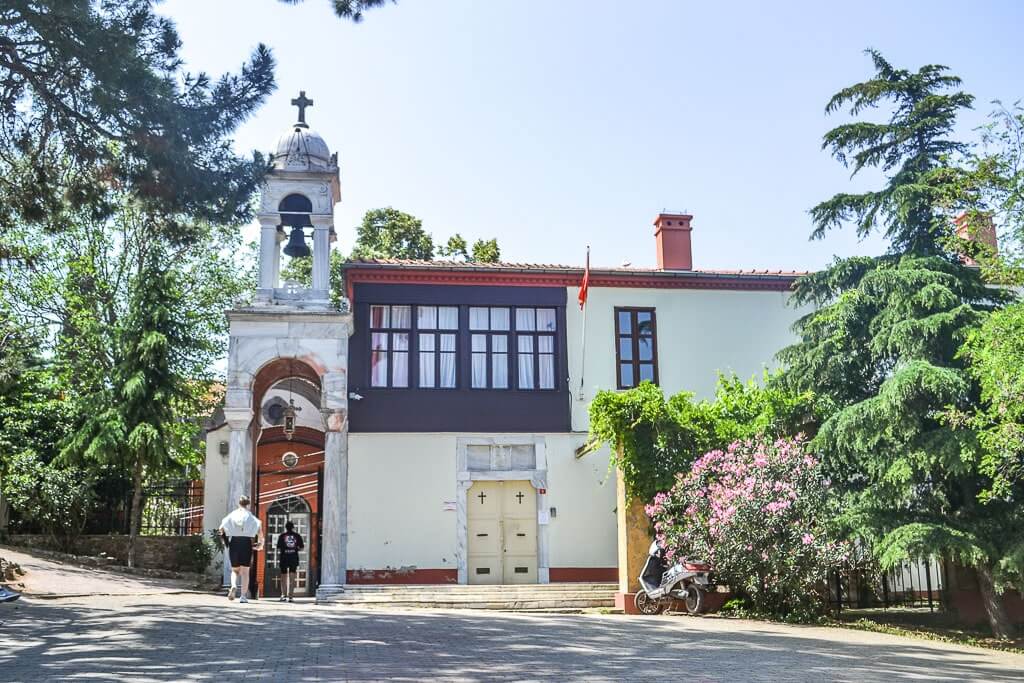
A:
172, 508
915, 583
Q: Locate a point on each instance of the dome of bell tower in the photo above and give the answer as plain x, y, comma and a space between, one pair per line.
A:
300, 148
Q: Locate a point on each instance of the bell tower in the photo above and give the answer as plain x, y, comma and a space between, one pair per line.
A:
293, 333
299, 194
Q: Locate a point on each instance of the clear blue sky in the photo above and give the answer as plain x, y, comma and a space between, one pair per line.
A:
551, 125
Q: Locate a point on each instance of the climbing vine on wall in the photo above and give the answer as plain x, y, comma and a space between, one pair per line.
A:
653, 439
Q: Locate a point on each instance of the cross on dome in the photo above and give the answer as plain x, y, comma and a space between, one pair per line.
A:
302, 102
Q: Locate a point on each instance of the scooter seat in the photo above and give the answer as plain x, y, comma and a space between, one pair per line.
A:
697, 566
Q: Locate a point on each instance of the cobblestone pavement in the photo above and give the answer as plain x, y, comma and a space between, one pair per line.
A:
206, 638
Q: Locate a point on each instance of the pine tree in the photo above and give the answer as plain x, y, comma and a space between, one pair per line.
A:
883, 341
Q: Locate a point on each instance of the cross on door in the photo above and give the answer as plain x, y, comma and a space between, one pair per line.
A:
481, 497
520, 496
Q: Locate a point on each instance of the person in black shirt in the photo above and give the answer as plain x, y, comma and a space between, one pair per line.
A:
288, 546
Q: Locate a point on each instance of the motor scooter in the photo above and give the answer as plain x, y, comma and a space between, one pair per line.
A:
685, 580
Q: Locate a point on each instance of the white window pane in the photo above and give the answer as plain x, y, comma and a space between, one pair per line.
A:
448, 318
379, 368
378, 341
546, 319
499, 318
525, 371
546, 366
400, 371
427, 342
426, 370
525, 344
499, 371
447, 371
525, 319
401, 317
499, 343
448, 342
478, 318
378, 317
400, 341
479, 342
426, 317
546, 344
479, 370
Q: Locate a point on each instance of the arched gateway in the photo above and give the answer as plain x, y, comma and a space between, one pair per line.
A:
287, 393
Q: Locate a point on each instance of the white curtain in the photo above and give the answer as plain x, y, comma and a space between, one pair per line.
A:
447, 369
478, 318
546, 361
401, 317
399, 356
426, 317
379, 368
525, 346
525, 319
499, 318
499, 370
546, 319
448, 318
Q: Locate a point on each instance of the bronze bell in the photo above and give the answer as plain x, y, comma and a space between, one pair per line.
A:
296, 247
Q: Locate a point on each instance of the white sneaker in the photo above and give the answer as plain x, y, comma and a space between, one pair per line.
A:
244, 599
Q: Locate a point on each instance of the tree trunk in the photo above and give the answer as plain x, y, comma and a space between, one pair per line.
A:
993, 603
136, 519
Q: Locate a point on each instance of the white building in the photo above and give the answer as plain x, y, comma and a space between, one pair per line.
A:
438, 417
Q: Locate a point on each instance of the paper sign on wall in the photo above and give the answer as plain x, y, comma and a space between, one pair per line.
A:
448, 505
543, 517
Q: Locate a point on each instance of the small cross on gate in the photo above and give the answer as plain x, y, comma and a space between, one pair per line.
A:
520, 497
302, 102
481, 497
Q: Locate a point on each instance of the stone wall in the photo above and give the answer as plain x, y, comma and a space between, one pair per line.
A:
151, 552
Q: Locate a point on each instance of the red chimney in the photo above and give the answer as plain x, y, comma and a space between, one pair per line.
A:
672, 238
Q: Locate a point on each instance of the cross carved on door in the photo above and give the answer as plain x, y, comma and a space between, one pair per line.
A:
520, 497
481, 497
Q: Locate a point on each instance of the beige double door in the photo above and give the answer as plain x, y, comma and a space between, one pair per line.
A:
501, 521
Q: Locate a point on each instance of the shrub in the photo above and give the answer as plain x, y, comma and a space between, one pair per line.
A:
58, 499
195, 555
761, 514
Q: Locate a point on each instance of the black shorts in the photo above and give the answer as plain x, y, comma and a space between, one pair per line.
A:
240, 551
288, 565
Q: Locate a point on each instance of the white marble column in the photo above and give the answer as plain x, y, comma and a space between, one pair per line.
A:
270, 255
239, 463
321, 256
334, 513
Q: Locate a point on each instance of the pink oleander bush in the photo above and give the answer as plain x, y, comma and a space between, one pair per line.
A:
761, 513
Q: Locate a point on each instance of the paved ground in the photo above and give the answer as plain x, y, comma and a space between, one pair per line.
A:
198, 637
46, 577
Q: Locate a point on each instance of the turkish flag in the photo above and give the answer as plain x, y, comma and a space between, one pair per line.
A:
586, 282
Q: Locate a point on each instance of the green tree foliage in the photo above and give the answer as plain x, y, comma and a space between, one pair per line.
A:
483, 251
883, 341
92, 94
652, 439
350, 9
136, 325
56, 497
390, 233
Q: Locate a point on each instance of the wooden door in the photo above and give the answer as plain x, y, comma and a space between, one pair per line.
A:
501, 521
483, 526
519, 527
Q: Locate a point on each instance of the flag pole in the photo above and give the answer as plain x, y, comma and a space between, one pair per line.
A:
583, 328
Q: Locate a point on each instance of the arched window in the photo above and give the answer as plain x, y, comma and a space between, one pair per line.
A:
295, 210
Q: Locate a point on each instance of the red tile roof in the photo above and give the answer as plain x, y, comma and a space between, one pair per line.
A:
556, 268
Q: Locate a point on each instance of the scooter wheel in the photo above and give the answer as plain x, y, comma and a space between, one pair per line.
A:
645, 604
694, 600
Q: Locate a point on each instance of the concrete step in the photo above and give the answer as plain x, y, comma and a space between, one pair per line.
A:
456, 587
451, 596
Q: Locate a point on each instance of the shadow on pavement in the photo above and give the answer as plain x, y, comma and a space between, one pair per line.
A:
155, 640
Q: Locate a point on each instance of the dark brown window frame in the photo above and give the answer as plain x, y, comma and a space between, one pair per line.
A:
536, 353
634, 338
390, 331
